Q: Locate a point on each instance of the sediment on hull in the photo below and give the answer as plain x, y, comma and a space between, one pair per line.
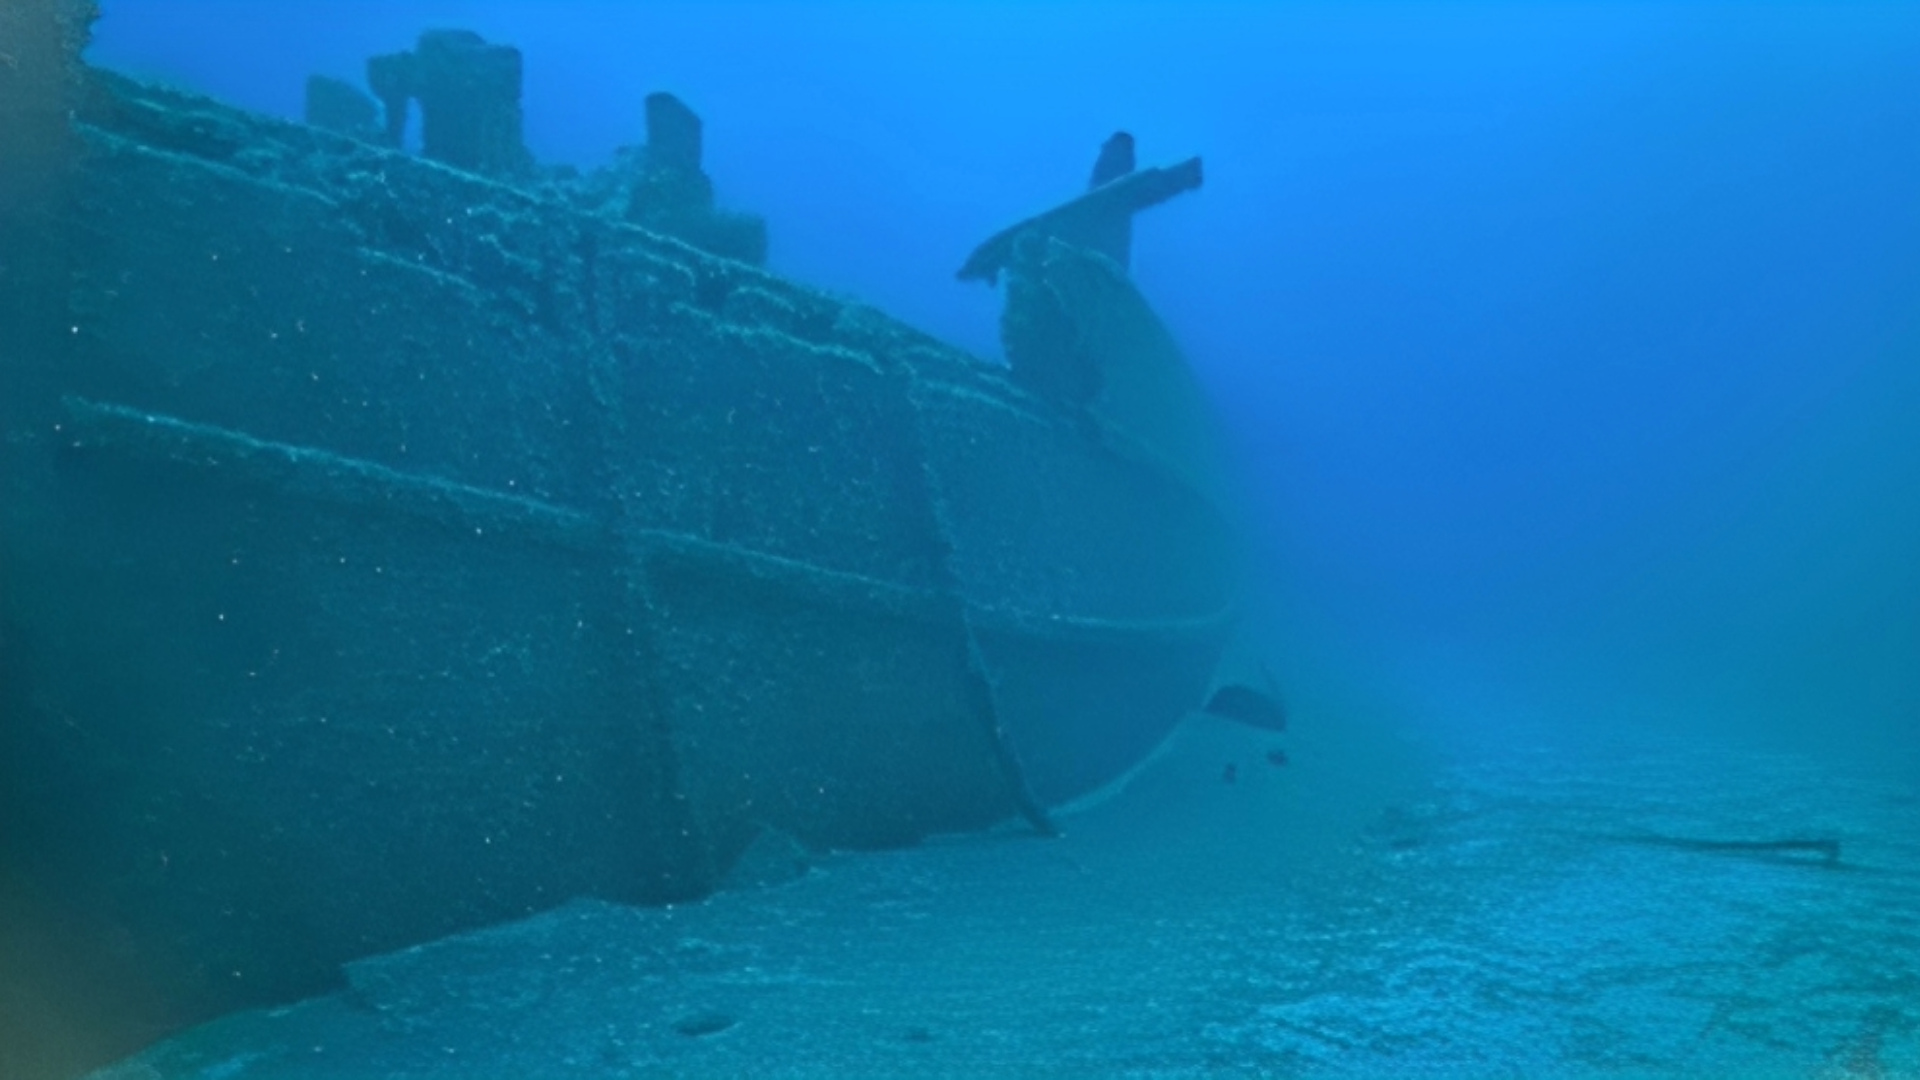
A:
391, 548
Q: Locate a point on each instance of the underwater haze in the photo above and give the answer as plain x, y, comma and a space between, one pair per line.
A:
1569, 359
1573, 348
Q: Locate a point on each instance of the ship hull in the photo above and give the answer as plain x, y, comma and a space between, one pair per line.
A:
389, 552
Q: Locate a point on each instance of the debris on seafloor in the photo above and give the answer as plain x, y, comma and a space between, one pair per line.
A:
705, 1022
1813, 851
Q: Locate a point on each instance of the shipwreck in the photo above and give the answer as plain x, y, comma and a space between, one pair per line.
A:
394, 543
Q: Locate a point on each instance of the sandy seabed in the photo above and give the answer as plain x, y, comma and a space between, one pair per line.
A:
1498, 914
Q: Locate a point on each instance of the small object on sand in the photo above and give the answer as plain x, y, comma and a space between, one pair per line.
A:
706, 1022
1813, 851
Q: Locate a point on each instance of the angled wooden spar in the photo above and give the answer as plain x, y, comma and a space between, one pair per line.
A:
1091, 216
1115, 160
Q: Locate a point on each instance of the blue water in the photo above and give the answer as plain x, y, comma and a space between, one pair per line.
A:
1572, 350
1582, 339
